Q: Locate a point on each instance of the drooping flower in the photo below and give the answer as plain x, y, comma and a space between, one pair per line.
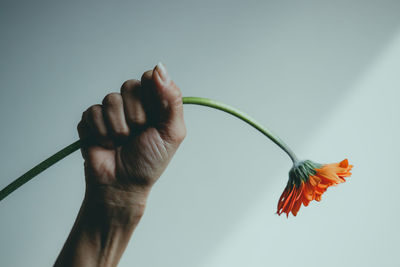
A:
308, 181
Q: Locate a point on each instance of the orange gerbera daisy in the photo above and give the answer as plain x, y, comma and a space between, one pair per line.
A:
308, 181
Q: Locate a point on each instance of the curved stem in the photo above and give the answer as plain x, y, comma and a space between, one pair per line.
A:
39, 168
244, 117
186, 100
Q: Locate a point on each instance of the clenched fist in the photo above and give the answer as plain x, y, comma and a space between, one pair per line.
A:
132, 135
128, 142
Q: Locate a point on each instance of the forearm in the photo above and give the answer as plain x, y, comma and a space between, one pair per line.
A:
103, 228
133, 136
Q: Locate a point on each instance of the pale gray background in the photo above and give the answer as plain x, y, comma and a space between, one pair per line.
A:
322, 74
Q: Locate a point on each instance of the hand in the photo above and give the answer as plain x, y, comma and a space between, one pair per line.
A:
133, 134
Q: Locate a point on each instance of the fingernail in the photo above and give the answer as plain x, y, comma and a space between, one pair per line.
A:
162, 72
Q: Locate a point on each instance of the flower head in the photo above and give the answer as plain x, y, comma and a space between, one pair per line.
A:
308, 181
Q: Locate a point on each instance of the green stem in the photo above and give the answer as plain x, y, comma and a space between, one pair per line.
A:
39, 168
244, 117
186, 100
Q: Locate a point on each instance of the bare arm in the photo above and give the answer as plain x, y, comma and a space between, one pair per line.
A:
134, 135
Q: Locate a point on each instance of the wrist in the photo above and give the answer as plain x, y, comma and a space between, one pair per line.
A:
105, 223
111, 202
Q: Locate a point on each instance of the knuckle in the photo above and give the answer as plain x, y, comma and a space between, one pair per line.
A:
79, 126
178, 93
139, 120
82, 129
174, 93
94, 119
147, 75
121, 132
177, 96
179, 134
94, 111
137, 117
129, 85
112, 99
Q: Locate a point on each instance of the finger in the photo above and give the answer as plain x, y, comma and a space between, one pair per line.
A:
94, 119
114, 117
84, 133
169, 97
150, 99
83, 129
132, 101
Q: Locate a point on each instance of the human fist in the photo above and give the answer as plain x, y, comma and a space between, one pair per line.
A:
130, 138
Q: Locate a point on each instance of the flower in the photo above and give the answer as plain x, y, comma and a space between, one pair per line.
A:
308, 181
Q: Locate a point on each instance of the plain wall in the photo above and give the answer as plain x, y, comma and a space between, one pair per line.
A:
324, 75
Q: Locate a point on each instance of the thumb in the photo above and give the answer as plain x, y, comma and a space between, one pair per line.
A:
172, 125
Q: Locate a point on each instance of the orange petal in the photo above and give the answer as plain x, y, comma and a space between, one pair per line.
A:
344, 163
284, 194
297, 191
328, 175
308, 191
288, 198
300, 191
314, 180
296, 207
306, 201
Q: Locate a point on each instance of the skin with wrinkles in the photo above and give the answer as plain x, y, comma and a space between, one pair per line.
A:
133, 136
